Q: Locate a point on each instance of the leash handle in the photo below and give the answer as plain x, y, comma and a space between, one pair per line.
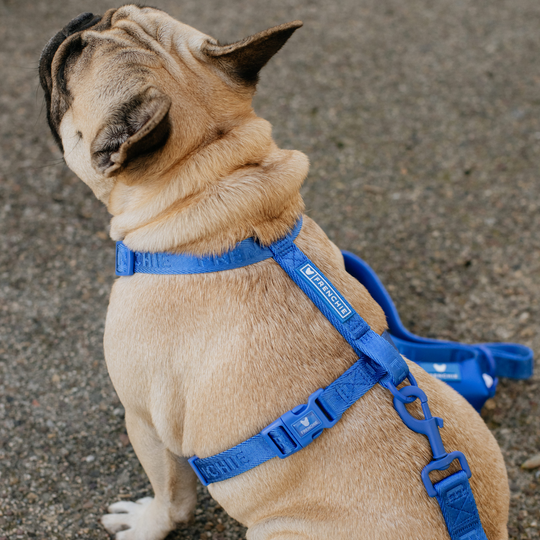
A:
472, 370
511, 360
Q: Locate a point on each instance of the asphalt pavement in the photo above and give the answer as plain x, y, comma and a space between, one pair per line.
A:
421, 121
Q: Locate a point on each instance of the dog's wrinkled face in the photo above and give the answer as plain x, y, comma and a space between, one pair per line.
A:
135, 90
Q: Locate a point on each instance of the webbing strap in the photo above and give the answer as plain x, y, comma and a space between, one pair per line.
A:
234, 461
245, 253
458, 507
338, 311
294, 430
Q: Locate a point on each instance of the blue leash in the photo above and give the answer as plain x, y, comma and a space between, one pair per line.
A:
378, 361
472, 370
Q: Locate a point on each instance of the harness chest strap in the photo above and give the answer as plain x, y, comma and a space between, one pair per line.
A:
294, 430
378, 361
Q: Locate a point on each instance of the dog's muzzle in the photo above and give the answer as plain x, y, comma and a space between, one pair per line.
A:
78, 24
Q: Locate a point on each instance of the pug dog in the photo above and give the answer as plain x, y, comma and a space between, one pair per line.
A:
156, 118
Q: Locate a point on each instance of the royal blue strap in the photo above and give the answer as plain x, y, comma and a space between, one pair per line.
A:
247, 252
511, 360
293, 430
234, 461
459, 508
339, 312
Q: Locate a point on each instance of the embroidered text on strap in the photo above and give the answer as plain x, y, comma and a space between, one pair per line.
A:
247, 252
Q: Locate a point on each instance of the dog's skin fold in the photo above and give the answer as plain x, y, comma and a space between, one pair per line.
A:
156, 118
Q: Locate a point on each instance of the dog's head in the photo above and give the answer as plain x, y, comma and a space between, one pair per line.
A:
135, 90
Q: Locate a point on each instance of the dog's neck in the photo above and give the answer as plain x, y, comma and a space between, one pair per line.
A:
239, 186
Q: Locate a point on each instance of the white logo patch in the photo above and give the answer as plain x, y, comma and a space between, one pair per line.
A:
326, 291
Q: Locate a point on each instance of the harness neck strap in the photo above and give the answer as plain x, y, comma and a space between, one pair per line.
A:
245, 253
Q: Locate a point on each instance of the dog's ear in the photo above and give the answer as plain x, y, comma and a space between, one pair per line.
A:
136, 128
243, 60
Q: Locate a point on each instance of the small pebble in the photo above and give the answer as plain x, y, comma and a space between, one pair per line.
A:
124, 439
532, 462
490, 404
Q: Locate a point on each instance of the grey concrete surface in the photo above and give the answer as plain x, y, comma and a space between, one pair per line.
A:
421, 121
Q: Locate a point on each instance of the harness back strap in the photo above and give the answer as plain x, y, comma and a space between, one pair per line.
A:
338, 311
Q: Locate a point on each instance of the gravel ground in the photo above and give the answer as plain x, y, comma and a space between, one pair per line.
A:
421, 121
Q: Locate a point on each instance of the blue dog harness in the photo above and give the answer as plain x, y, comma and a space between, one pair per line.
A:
379, 361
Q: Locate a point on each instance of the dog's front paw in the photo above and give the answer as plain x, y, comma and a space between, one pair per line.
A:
141, 520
